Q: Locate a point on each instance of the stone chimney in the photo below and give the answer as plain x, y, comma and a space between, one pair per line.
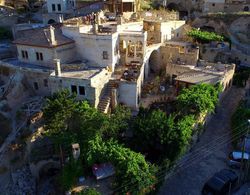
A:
57, 64
52, 35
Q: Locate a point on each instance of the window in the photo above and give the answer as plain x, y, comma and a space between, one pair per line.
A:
59, 7
213, 4
105, 55
35, 85
73, 89
25, 54
39, 56
53, 7
45, 83
81, 90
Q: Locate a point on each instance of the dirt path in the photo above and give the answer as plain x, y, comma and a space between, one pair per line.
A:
209, 154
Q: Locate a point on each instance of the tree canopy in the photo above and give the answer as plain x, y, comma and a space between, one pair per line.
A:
155, 131
198, 98
204, 36
131, 167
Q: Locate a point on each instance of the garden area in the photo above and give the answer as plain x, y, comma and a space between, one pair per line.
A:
158, 138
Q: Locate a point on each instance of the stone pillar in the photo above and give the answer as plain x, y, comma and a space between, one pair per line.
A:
113, 98
57, 65
134, 50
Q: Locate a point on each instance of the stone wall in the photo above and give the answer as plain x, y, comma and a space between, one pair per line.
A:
93, 86
65, 53
94, 46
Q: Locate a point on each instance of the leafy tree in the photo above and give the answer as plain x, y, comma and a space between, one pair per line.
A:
118, 122
169, 135
57, 113
151, 128
198, 98
89, 191
204, 36
130, 166
70, 173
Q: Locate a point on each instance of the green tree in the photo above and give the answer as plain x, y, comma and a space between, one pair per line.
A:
130, 167
198, 98
89, 191
204, 36
155, 132
151, 128
57, 114
70, 174
118, 122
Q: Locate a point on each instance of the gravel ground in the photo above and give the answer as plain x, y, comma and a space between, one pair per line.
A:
208, 155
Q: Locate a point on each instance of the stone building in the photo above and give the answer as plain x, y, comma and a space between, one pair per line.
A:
105, 63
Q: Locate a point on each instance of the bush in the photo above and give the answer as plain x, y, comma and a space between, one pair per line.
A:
130, 167
198, 99
89, 191
204, 36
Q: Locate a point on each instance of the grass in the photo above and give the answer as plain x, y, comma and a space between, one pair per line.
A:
5, 128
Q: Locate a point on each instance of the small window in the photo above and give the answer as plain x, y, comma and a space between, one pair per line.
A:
81, 90
45, 83
35, 85
73, 89
59, 7
105, 55
213, 4
53, 7
25, 54
39, 56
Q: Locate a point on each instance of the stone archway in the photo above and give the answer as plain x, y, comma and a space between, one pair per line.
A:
154, 62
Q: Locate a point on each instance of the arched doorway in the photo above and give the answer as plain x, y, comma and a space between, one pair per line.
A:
51, 21
154, 62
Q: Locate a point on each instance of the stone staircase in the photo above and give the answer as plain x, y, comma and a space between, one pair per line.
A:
106, 97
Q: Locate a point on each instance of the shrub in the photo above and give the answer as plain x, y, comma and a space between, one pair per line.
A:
204, 36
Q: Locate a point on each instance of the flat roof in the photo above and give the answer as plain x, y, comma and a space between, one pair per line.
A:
87, 73
196, 77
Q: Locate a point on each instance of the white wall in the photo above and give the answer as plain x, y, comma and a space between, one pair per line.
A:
171, 29
66, 53
128, 94
93, 86
91, 46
